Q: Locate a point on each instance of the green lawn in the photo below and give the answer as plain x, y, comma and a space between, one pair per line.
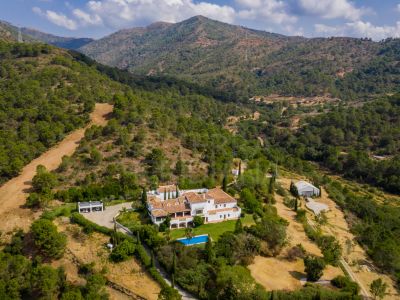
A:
214, 229
131, 218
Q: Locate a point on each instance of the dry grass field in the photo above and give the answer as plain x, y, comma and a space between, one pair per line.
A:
91, 249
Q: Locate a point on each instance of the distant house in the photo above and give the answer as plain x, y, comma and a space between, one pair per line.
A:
212, 205
86, 207
306, 189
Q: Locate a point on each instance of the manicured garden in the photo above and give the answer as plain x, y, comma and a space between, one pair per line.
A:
215, 230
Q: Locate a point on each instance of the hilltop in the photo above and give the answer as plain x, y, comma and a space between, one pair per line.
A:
9, 33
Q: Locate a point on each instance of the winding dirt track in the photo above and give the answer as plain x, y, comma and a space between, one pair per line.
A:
13, 193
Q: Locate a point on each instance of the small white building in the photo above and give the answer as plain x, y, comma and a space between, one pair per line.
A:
91, 206
212, 205
306, 189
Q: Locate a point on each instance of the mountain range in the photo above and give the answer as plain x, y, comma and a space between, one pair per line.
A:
9, 32
252, 62
243, 61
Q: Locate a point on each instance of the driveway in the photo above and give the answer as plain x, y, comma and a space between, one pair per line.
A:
105, 218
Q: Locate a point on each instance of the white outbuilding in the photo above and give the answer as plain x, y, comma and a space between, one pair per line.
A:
306, 189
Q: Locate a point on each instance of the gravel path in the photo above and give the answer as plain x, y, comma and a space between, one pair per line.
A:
14, 192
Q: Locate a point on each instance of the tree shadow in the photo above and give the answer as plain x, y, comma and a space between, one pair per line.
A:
297, 275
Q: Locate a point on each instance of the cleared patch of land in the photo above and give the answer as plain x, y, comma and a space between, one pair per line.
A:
14, 192
278, 273
84, 248
356, 257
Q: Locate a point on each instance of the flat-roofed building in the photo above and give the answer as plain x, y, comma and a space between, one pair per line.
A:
91, 206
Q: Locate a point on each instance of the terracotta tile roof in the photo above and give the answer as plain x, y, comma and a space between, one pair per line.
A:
166, 188
159, 213
168, 206
194, 197
219, 196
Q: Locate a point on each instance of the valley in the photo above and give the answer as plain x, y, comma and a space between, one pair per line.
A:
177, 171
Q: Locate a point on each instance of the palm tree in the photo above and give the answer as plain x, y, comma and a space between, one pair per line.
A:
189, 232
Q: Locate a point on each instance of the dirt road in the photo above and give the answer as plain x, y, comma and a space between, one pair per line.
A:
14, 192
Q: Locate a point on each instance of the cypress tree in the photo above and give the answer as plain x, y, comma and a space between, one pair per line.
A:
224, 183
240, 168
144, 196
295, 204
238, 226
209, 251
177, 191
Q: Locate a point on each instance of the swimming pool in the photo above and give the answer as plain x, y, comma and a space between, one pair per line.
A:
198, 239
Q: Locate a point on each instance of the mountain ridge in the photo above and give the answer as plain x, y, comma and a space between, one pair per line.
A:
252, 62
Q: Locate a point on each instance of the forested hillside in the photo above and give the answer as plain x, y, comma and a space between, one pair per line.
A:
258, 63
45, 93
361, 143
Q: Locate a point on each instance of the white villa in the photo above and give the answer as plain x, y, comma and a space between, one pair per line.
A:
212, 205
306, 189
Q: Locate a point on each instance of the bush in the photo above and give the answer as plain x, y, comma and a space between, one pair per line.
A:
314, 267
295, 252
122, 251
301, 215
198, 221
346, 284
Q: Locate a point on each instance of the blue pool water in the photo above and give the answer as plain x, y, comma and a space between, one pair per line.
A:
199, 239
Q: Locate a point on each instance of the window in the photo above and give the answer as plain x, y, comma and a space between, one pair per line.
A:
224, 205
216, 206
229, 215
220, 216
199, 211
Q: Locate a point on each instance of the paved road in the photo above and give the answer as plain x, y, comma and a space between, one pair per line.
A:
106, 217
14, 192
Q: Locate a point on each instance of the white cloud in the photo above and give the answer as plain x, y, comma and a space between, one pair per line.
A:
119, 13
398, 7
360, 29
265, 11
87, 19
332, 9
58, 19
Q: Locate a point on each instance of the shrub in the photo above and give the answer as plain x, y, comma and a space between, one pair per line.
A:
346, 284
314, 267
295, 252
301, 215
122, 251
198, 221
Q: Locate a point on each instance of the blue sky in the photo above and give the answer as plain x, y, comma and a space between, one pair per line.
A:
311, 18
